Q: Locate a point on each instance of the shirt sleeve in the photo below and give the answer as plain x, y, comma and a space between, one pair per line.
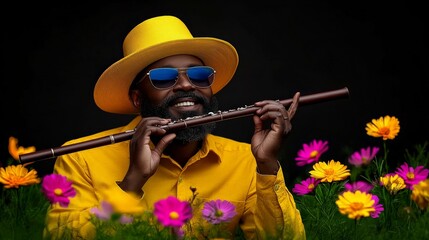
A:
275, 211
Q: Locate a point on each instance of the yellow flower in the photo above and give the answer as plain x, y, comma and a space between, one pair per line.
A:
355, 204
14, 176
420, 194
15, 150
386, 127
393, 183
333, 171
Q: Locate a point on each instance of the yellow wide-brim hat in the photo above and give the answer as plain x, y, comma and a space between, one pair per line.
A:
152, 40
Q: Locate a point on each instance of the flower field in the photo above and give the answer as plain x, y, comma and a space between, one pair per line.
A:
365, 197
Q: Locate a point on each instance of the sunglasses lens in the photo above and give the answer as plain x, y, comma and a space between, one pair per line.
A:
163, 77
201, 76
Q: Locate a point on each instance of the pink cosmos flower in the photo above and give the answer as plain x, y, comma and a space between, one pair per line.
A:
310, 153
57, 189
364, 156
412, 175
306, 186
218, 211
377, 206
359, 185
171, 212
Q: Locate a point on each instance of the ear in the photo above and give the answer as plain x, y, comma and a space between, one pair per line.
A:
135, 98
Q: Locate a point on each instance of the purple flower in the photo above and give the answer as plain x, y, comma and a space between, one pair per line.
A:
363, 157
58, 189
124, 219
377, 206
171, 212
106, 211
310, 153
218, 211
412, 175
359, 185
306, 186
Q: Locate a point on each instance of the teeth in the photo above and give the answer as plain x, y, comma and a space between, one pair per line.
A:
184, 104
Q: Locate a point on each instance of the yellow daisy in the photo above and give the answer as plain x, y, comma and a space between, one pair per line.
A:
420, 194
393, 183
355, 204
15, 150
329, 172
14, 176
386, 127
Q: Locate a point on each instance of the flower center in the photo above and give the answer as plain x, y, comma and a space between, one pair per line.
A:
218, 213
174, 215
313, 153
384, 131
58, 191
356, 206
310, 186
329, 171
410, 175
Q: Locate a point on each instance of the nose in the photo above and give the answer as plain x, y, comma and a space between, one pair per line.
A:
183, 83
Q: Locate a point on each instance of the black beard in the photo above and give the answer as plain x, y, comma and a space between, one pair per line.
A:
186, 135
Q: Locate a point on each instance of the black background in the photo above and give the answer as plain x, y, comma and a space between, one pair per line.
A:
52, 55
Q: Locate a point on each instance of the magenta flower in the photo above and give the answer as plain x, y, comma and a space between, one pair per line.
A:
363, 157
377, 206
57, 189
359, 185
412, 175
171, 212
218, 211
306, 186
310, 153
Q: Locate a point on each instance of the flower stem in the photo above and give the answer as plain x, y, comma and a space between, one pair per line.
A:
386, 151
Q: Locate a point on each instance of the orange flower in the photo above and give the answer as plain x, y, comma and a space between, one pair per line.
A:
15, 150
14, 176
386, 127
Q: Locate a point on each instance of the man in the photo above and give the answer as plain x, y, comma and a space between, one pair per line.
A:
167, 75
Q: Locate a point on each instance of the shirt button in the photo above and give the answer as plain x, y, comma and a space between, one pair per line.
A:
180, 179
276, 187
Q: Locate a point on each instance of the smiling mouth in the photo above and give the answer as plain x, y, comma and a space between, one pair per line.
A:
184, 104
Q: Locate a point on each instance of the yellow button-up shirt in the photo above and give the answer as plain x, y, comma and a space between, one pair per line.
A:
223, 169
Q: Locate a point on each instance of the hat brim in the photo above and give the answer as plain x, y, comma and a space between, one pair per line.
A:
111, 89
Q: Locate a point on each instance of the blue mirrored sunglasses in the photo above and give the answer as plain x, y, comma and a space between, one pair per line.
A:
164, 78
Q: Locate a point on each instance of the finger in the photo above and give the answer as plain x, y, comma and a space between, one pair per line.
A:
294, 106
272, 110
149, 123
163, 143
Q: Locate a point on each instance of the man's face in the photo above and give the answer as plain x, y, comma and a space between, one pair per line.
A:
181, 101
